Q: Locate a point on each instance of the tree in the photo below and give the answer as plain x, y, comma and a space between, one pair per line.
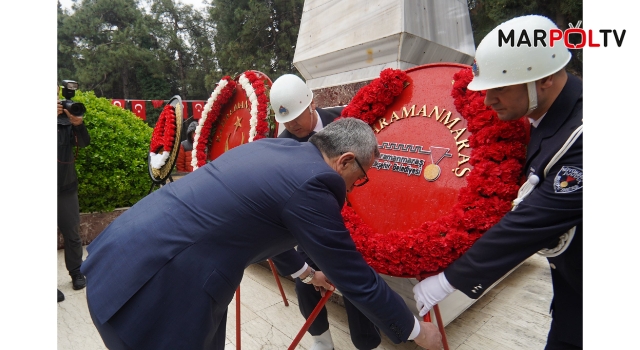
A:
112, 41
258, 35
66, 69
185, 40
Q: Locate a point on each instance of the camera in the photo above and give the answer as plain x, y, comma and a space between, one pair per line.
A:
69, 88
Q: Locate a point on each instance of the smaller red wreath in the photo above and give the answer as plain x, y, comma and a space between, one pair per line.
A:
163, 137
164, 133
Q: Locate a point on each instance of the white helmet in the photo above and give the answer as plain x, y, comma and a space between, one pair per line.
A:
496, 66
290, 96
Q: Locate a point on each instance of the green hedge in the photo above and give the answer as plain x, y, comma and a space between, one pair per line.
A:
112, 170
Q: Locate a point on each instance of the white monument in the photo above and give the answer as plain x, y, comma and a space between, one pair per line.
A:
347, 41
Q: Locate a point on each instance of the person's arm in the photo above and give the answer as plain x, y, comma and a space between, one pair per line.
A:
79, 129
313, 216
536, 223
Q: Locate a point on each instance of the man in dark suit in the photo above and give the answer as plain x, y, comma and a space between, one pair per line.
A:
301, 120
547, 215
162, 274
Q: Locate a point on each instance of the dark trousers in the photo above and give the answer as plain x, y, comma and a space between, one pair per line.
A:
364, 334
69, 225
553, 343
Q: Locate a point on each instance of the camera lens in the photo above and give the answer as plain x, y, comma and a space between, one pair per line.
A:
75, 108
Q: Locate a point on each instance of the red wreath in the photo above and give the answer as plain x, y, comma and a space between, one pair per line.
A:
164, 133
497, 156
262, 126
217, 100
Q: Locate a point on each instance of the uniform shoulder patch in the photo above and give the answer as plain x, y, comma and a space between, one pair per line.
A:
568, 179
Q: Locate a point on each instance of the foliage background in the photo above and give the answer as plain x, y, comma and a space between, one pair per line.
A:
112, 169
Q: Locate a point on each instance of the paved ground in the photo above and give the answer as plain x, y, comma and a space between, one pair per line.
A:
512, 315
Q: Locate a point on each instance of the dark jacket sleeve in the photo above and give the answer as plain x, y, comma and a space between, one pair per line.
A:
82, 135
536, 223
313, 216
288, 262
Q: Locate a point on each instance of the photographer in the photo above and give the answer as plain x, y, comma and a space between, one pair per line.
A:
72, 134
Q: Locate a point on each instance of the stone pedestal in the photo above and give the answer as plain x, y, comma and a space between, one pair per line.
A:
91, 224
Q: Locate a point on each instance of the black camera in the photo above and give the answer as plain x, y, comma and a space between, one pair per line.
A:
69, 88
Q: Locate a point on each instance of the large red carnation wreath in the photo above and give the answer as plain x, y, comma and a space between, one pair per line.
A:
219, 97
498, 152
256, 92
257, 95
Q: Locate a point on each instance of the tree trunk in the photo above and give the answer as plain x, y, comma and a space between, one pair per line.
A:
125, 83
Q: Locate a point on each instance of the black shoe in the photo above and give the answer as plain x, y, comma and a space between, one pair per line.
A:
78, 281
60, 296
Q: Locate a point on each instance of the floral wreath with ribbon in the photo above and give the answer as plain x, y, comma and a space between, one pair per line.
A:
256, 93
163, 137
201, 139
497, 156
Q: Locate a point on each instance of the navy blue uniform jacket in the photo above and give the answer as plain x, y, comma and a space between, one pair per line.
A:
539, 221
162, 270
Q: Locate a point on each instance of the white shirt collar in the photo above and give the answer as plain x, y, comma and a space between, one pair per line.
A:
319, 125
535, 123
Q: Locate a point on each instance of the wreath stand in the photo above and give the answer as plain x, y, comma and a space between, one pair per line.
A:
327, 295
284, 298
160, 176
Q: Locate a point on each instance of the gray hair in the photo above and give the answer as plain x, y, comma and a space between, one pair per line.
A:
347, 135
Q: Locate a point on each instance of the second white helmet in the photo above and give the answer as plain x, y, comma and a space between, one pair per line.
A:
289, 97
497, 66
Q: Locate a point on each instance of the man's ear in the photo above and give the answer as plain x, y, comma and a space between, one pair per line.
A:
547, 81
345, 160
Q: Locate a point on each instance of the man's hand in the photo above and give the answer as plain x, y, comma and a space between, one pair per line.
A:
75, 121
321, 283
431, 291
429, 337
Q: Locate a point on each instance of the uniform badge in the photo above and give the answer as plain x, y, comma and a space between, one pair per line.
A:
283, 111
475, 69
568, 179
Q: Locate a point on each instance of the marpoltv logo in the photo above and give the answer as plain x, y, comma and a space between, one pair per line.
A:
557, 37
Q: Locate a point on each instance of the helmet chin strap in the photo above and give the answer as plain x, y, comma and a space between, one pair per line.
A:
533, 97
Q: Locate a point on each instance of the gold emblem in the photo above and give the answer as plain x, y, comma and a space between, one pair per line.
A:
238, 123
564, 184
431, 172
226, 144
